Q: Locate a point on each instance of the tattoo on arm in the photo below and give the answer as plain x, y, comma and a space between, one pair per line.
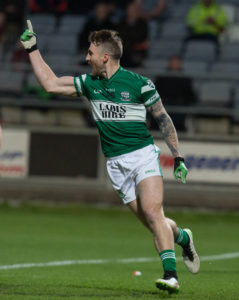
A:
166, 126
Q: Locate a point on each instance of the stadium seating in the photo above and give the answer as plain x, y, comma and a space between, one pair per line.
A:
195, 67
33, 88
1, 51
229, 53
155, 66
11, 83
232, 34
215, 93
200, 50
153, 30
237, 13
40, 19
179, 11
72, 20
225, 68
174, 30
189, 2
43, 29
164, 49
60, 61
230, 12
236, 105
66, 45
32, 81
71, 24
232, 2
43, 42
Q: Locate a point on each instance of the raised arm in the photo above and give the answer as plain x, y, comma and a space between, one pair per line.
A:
170, 136
47, 78
44, 74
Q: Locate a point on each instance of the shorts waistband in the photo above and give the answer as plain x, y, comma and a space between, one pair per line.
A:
126, 154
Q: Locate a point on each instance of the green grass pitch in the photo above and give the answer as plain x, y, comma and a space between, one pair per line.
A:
38, 234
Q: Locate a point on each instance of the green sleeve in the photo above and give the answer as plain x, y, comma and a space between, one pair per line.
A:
78, 87
149, 94
79, 82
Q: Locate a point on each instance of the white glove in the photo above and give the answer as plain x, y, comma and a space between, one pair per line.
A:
28, 38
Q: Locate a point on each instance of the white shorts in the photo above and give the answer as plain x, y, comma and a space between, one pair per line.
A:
127, 170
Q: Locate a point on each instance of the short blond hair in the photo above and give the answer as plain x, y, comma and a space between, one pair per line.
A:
110, 40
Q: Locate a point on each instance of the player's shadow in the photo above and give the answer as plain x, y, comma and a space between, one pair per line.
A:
118, 293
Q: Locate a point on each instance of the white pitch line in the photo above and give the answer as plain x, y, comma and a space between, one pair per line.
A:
106, 261
220, 256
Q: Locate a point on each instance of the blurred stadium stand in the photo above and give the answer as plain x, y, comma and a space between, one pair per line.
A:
215, 76
200, 50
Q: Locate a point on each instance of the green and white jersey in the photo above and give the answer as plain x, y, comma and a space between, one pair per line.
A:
119, 109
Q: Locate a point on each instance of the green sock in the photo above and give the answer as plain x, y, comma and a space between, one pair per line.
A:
182, 238
168, 260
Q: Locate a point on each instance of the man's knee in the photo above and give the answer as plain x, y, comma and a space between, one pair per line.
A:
154, 214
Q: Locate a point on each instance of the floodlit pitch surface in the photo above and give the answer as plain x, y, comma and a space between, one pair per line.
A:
91, 253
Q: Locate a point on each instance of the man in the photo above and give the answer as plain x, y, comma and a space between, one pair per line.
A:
206, 20
100, 19
119, 99
133, 29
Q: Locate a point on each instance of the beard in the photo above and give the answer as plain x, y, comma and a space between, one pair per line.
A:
97, 70
94, 70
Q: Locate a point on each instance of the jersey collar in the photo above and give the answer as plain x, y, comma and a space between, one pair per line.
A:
113, 76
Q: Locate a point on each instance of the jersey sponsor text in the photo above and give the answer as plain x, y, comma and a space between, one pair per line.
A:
112, 111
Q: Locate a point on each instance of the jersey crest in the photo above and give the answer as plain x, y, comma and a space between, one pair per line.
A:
125, 96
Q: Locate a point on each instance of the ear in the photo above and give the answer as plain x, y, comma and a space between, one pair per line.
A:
106, 58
